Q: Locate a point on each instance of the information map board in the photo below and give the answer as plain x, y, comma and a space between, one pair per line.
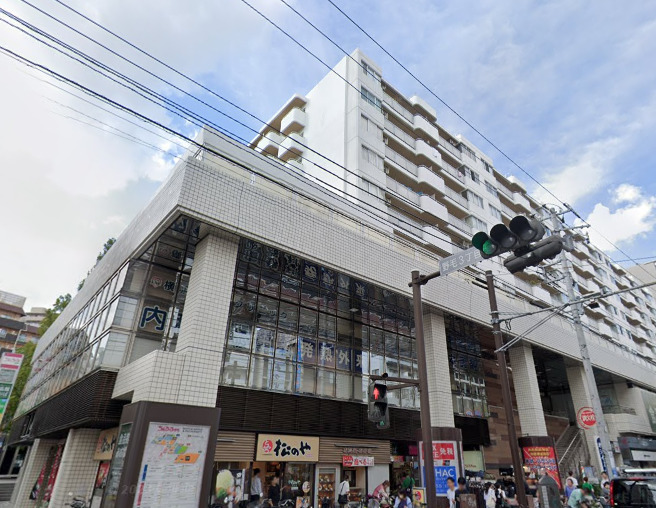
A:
171, 472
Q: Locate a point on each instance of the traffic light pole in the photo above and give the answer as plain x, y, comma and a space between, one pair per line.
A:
518, 469
577, 311
424, 403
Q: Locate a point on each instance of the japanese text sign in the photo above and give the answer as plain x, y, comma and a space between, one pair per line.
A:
274, 447
357, 461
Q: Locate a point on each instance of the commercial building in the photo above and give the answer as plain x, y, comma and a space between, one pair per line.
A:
261, 288
14, 330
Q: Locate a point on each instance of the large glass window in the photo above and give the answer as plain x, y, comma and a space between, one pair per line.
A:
298, 327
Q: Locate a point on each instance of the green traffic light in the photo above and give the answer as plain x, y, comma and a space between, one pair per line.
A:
489, 247
479, 240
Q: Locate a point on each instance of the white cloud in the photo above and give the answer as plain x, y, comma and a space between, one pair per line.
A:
636, 218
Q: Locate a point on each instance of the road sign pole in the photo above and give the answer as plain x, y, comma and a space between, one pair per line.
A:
505, 391
424, 403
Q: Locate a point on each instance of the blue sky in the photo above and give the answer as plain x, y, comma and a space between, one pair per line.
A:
565, 88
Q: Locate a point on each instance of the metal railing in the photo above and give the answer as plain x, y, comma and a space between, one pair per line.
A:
401, 161
400, 134
446, 144
403, 191
407, 224
453, 171
396, 106
457, 197
460, 224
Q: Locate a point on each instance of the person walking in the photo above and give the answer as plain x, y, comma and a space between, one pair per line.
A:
343, 493
408, 482
274, 491
489, 495
451, 491
462, 489
569, 487
403, 499
575, 498
570, 476
256, 486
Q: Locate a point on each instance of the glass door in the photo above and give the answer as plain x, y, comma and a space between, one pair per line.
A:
298, 484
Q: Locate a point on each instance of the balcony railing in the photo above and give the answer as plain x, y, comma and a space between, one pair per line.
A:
403, 222
400, 134
453, 171
457, 197
396, 106
401, 161
403, 191
460, 224
444, 143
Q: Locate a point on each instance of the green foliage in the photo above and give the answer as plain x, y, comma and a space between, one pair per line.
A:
26, 367
54, 312
108, 245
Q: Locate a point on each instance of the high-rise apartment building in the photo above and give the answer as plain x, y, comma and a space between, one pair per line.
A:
269, 284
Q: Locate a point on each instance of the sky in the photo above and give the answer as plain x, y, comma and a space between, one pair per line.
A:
566, 89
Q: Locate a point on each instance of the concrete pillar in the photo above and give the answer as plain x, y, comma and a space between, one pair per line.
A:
37, 457
205, 318
581, 398
527, 391
77, 470
439, 380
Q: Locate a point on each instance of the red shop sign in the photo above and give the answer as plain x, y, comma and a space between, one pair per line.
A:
357, 461
586, 417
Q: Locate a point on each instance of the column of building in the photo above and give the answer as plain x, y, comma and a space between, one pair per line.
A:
527, 391
578, 387
36, 459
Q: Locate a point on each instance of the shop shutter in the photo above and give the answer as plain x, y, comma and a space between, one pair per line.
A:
329, 453
235, 447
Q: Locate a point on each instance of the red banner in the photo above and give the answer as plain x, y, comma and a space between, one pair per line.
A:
443, 451
542, 457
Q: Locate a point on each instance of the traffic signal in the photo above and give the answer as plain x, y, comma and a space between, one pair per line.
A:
523, 237
378, 410
520, 233
548, 248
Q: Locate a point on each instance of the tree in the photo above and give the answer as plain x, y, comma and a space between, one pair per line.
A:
27, 350
108, 245
54, 312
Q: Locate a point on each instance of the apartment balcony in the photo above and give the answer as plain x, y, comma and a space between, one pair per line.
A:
270, 143
633, 317
400, 135
406, 225
506, 211
456, 198
428, 128
398, 109
521, 201
584, 286
436, 238
295, 120
628, 300
402, 192
295, 165
429, 152
292, 146
427, 176
459, 226
449, 147
400, 162
606, 330
429, 205
455, 175
583, 268
622, 282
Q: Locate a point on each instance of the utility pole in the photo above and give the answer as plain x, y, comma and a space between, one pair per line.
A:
577, 311
424, 403
505, 391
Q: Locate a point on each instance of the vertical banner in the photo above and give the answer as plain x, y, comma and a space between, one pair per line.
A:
542, 457
10, 363
445, 460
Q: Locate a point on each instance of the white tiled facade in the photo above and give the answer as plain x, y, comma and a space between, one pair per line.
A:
286, 202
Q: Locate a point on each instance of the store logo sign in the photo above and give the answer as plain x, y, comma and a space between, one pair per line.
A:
586, 417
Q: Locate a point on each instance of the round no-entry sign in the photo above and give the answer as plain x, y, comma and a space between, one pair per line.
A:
586, 417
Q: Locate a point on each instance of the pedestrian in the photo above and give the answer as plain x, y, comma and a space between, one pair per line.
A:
408, 482
462, 489
605, 493
575, 498
499, 496
586, 484
274, 491
343, 493
570, 476
451, 491
381, 493
569, 487
403, 499
256, 486
489, 495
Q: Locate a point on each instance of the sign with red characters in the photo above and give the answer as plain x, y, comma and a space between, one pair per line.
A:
357, 461
586, 417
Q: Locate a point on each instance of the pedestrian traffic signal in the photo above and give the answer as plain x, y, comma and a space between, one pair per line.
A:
523, 236
378, 410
